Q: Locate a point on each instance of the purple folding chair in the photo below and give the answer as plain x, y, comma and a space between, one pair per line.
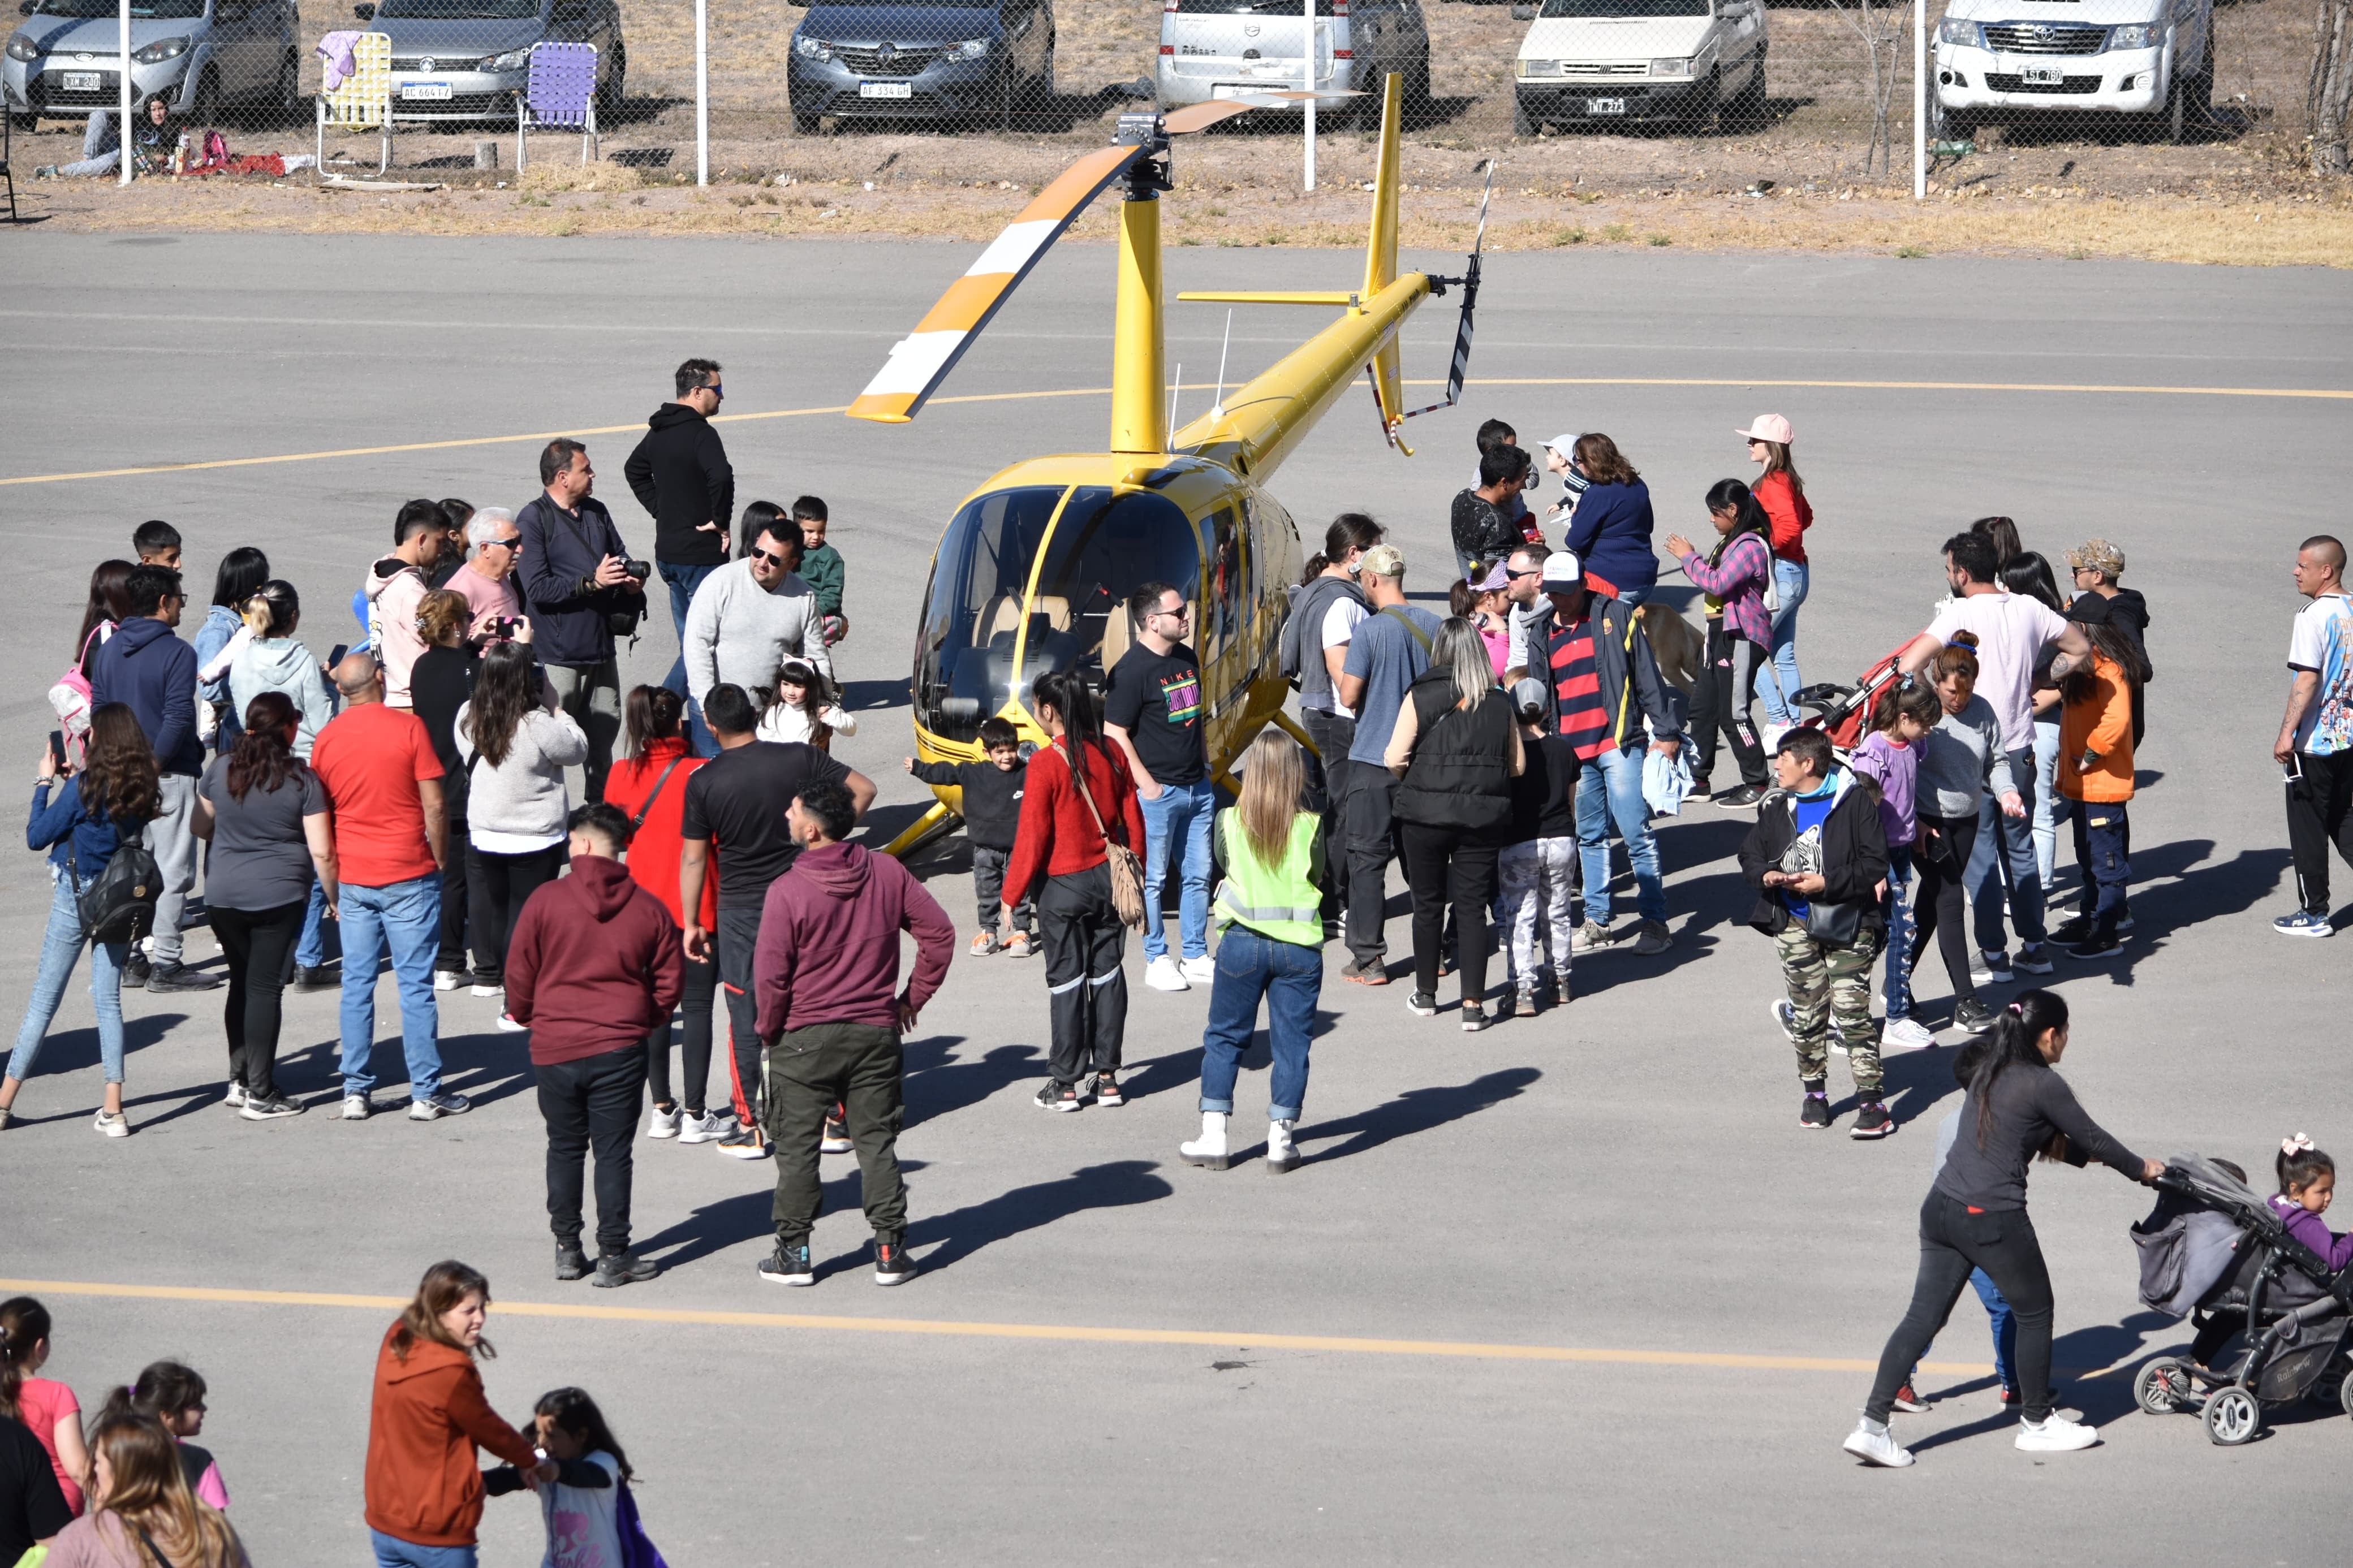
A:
560, 95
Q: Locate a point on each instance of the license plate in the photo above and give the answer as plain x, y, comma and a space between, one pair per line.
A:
1605, 106
81, 81
885, 90
2043, 75
424, 92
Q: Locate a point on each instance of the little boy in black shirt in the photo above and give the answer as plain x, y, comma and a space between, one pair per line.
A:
992, 815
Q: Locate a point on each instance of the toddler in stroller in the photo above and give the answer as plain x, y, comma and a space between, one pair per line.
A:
2266, 1272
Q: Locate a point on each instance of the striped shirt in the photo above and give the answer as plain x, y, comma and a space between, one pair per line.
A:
1576, 686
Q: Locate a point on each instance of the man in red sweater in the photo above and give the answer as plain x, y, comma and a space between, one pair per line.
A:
824, 978
593, 965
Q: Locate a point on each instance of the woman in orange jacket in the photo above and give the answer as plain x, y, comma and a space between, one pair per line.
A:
2095, 780
429, 1415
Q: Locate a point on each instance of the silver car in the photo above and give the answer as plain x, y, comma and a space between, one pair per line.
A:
1215, 48
468, 60
205, 54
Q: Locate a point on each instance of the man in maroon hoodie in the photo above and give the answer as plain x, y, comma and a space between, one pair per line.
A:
824, 978
592, 967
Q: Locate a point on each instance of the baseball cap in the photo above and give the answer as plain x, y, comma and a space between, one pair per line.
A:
1572, 481
1528, 692
1563, 571
2089, 609
1564, 444
1382, 561
1497, 578
1769, 427
2098, 555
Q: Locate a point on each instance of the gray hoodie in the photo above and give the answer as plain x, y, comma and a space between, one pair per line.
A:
281, 664
524, 794
1961, 761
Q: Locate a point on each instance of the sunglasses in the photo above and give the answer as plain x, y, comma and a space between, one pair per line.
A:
1531, 572
514, 544
768, 555
1180, 612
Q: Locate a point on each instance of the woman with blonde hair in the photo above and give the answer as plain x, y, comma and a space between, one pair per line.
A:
142, 1511
1276, 907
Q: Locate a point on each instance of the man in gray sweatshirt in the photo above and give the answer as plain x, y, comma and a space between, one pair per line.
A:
750, 615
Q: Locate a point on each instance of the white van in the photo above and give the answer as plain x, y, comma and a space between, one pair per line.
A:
2000, 58
1587, 61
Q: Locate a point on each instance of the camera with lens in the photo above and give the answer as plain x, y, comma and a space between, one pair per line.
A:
641, 569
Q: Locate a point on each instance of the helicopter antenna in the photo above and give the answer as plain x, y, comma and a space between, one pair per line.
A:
1173, 392
1470, 282
1217, 404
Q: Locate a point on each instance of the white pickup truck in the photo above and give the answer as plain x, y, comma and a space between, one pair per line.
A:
2014, 59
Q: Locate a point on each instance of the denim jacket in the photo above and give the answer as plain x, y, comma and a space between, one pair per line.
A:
58, 822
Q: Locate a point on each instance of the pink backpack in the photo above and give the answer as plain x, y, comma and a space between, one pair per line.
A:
70, 696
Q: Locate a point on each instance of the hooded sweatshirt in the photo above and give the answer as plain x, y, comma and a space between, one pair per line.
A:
154, 673
281, 664
680, 474
395, 589
427, 1417
593, 965
829, 946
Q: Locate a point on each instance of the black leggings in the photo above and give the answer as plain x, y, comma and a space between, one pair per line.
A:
1449, 867
496, 887
702, 987
259, 947
1939, 856
1954, 1240
1720, 703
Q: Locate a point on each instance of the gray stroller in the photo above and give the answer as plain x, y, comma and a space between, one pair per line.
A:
2213, 1252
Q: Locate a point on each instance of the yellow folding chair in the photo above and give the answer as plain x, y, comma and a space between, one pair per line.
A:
362, 100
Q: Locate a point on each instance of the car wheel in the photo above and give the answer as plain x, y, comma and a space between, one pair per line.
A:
204, 110
1522, 123
1749, 111
1706, 111
613, 93
1043, 87
1950, 125
804, 124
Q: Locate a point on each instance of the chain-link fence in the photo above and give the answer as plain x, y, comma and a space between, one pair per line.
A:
466, 87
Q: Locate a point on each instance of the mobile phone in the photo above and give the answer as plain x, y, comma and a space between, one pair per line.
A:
2290, 771
57, 748
335, 654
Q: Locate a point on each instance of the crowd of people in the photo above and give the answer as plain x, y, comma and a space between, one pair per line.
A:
405, 801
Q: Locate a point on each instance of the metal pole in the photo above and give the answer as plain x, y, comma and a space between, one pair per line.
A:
122, 94
1919, 100
1307, 14
702, 97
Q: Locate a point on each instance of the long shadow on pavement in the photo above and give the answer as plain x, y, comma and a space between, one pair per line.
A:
1415, 1111
745, 1216
966, 1230
937, 1086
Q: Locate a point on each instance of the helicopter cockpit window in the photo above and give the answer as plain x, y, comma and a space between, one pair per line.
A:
1223, 529
963, 659
1104, 549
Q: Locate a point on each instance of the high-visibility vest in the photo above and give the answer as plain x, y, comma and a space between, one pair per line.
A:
1278, 900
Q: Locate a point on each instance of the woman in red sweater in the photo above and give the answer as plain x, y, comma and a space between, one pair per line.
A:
648, 787
1061, 839
1782, 494
430, 1414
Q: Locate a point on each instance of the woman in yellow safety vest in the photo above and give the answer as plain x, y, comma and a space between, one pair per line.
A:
1275, 907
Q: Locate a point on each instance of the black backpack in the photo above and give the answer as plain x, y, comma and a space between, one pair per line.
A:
120, 906
1303, 620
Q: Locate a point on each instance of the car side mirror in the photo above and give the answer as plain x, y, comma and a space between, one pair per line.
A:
365, 13
1524, 13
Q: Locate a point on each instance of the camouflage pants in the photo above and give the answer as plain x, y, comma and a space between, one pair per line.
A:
1828, 982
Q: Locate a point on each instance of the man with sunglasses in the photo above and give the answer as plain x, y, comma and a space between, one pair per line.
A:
750, 615
680, 473
1154, 712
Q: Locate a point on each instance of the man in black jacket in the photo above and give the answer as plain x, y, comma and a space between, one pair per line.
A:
575, 577
1818, 859
680, 474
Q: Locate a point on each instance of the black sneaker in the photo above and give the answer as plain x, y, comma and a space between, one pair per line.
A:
790, 1266
2093, 947
892, 1264
2068, 933
835, 1139
136, 969
571, 1263
1057, 1097
1871, 1122
1815, 1113
622, 1269
1700, 789
1524, 1002
1475, 1017
1996, 968
2033, 960
1421, 1005
1107, 1093
1973, 1016
1747, 794
167, 977
318, 977
1908, 1401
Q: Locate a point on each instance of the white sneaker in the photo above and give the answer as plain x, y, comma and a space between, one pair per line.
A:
664, 1123
449, 979
2055, 1435
1281, 1153
1906, 1035
1201, 971
481, 990
1769, 735
234, 1098
708, 1128
1873, 1444
507, 1025
1163, 974
114, 1126
1209, 1149
355, 1107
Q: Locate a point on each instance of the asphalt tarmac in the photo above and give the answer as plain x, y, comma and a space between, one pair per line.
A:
1111, 1356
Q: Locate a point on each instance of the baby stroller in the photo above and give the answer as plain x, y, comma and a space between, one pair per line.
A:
1843, 712
2214, 1252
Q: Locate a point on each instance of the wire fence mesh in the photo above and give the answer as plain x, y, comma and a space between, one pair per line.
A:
1586, 88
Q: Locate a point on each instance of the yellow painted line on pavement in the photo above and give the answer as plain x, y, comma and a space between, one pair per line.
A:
1057, 1331
545, 436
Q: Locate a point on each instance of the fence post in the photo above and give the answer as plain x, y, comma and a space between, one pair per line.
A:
1919, 100
702, 96
1307, 14
122, 96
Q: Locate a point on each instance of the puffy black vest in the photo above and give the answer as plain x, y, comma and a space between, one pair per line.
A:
1460, 775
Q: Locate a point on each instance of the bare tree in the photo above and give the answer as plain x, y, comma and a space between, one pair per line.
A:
1879, 29
2331, 91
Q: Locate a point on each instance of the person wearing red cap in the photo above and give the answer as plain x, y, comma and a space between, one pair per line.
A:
1782, 494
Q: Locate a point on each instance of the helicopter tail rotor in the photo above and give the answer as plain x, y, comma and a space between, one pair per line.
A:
1470, 282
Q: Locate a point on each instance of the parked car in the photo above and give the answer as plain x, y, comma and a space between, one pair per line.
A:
955, 61
2023, 57
1588, 61
206, 54
1215, 48
468, 60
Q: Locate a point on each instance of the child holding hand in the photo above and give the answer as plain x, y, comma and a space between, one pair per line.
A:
591, 1520
992, 819
2307, 1180
1889, 759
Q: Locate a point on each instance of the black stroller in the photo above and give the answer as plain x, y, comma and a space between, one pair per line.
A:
2214, 1252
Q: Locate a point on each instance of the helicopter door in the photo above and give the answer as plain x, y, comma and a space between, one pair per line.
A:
1224, 614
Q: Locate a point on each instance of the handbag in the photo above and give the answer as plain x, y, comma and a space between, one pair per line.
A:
1125, 865
120, 905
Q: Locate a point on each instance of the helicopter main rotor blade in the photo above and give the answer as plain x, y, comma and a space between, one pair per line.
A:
1200, 116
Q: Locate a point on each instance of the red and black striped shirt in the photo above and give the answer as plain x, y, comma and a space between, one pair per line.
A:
1577, 685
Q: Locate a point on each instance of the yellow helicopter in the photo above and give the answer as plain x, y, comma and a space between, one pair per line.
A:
1034, 571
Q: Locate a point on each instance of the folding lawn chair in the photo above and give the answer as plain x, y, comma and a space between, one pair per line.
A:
364, 99
560, 95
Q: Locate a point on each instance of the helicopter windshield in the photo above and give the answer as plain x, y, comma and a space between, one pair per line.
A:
1106, 547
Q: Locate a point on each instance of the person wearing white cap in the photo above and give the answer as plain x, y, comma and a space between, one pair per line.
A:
1782, 494
1558, 455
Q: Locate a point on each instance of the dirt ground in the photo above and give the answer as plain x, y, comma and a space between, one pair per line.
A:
2235, 193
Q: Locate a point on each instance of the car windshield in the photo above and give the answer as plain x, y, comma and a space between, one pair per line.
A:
457, 10
141, 10
1553, 9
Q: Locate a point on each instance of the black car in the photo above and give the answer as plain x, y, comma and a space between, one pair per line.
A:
968, 61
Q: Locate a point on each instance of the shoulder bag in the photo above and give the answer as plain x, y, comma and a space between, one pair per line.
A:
1125, 865
1397, 613
637, 818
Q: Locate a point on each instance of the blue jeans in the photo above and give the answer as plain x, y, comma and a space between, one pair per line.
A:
61, 945
1780, 686
405, 918
394, 1553
2014, 839
311, 947
2005, 1328
1609, 790
2046, 801
1183, 811
1291, 978
684, 581
1897, 906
